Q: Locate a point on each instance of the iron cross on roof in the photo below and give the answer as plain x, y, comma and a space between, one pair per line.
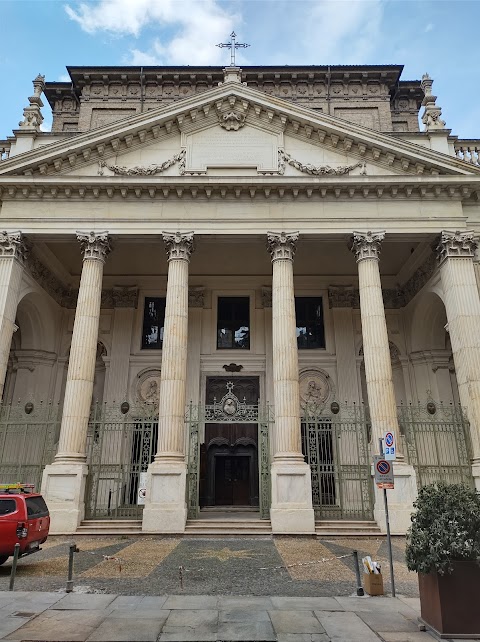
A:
232, 45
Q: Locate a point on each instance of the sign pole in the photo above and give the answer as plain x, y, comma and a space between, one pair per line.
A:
387, 519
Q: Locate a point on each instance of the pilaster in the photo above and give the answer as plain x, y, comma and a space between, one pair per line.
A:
125, 302
291, 509
342, 300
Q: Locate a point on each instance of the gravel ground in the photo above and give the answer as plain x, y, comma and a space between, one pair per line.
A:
287, 566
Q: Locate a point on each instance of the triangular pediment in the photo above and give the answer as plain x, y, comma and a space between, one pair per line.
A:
233, 129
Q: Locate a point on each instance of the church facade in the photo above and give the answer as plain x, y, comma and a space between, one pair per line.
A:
220, 289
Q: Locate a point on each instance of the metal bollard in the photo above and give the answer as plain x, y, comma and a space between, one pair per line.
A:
72, 550
360, 591
16, 551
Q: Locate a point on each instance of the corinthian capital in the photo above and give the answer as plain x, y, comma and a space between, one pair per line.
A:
367, 245
457, 244
282, 245
178, 245
95, 245
12, 244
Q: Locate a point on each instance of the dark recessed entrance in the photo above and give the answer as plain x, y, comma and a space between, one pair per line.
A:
229, 456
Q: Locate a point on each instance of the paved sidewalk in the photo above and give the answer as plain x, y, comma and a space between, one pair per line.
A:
79, 617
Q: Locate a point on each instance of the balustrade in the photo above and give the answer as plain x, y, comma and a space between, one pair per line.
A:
4, 150
468, 150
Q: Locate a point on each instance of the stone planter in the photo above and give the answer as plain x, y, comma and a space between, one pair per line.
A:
450, 603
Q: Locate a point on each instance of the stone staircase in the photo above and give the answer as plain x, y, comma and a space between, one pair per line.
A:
230, 524
347, 528
110, 527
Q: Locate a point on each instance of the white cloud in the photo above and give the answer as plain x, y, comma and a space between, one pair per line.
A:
193, 27
64, 78
279, 31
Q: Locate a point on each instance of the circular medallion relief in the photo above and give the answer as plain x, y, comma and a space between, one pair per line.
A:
148, 386
315, 387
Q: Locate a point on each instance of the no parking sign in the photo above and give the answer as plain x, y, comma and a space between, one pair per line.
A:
383, 472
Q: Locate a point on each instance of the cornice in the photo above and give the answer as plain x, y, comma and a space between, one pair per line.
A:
135, 188
139, 129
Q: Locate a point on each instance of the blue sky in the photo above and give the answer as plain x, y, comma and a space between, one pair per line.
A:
440, 37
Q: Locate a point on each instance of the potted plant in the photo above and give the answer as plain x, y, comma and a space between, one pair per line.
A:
443, 546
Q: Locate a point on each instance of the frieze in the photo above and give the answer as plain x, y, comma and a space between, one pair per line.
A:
340, 296
420, 277
266, 294
196, 297
64, 296
125, 297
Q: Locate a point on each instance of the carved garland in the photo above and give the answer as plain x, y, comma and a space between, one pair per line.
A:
317, 170
283, 159
145, 171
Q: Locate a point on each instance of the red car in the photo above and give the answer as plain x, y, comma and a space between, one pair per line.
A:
24, 518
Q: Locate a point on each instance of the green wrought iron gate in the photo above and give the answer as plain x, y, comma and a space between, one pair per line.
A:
119, 449
28, 441
436, 442
231, 410
335, 446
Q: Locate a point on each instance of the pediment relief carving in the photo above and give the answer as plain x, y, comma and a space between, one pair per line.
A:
234, 105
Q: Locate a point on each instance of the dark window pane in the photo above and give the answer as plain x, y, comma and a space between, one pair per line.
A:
153, 321
7, 506
233, 322
36, 507
310, 329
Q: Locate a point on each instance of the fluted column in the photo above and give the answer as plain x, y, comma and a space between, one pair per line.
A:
376, 350
378, 373
63, 482
165, 505
12, 257
291, 484
83, 350
287, 441
171, 418
462, 304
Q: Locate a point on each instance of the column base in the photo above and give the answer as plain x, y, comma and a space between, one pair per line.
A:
292, 511
476, 473
63, 487
165, 506
400, 500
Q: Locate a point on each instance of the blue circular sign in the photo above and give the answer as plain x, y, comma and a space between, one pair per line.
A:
389, 439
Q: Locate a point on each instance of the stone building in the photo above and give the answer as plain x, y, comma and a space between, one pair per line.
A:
220, 287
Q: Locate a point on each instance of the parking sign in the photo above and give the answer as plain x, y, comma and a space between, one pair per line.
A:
383, 472
389, 448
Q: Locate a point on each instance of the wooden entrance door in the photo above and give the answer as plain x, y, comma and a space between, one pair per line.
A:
232, 480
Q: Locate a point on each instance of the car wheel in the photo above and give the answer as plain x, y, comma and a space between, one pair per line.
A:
3, 559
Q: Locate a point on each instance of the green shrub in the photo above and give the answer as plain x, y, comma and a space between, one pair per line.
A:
445, 528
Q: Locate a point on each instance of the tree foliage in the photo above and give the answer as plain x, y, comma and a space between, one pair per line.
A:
445, 528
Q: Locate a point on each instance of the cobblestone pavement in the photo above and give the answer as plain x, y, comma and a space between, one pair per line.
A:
287, 566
